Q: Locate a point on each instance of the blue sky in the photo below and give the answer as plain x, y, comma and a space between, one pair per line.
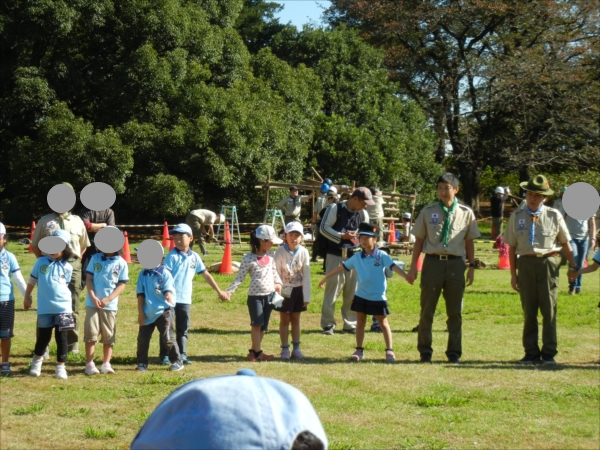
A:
300, 12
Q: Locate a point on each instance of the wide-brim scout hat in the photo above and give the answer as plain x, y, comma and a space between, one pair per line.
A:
538, 184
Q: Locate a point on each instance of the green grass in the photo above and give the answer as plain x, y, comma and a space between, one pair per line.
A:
486, 401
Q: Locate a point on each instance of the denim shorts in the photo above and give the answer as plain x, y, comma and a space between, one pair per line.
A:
47, 320
7, 319
260, 311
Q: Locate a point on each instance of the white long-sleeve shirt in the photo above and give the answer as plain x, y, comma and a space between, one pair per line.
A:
330, 218
294, 268
262, 278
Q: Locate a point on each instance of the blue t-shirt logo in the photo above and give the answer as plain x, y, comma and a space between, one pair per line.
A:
97, 267
45, 269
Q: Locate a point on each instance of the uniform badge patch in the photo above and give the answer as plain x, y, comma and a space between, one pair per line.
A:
97, 267
44, 269
51, 225
521, 223
434, 217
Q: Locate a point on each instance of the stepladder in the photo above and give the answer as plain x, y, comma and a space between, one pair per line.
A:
274, 217
230, 213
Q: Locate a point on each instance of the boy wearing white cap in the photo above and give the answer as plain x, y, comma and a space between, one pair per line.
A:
293, 265
8, 266
201, 222
264, 281
183, 263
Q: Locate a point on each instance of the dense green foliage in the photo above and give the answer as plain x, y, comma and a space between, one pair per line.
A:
200, 99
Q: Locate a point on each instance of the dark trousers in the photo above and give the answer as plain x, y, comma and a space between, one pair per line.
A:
538, 289
167, 336
182, 325
75, 288
448, 279
44, 335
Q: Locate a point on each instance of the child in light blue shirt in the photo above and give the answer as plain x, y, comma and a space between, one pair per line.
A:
184, 264
106, 276
370, 298
52, 275
8, 266
156, 300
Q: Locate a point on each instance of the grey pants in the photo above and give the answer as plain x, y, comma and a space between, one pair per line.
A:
538, 289
167, 336
446, 278
75, 288
182, 325
345, 283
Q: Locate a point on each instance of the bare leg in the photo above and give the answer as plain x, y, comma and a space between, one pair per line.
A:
108, 348
257, 336
295, 327
361, 321
90, 347
5, 346
284, 328
387, 331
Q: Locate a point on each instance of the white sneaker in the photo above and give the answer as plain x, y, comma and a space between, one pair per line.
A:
46, 355
90, 369
106, 368
61, 372
36, 367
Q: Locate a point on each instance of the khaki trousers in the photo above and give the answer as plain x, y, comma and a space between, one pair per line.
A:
538, 289
446, 278
345, 283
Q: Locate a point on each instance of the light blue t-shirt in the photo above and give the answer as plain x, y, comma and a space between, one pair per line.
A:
154, 284
370, 273
8, 265
183, 267
108, 272
53, 277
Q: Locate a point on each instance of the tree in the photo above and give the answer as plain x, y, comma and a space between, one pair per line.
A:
257, 24
497, 78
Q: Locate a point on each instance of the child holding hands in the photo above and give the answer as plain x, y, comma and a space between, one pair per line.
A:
52, 274
293, 265
106, 276
183, 263
264, 280
371, 267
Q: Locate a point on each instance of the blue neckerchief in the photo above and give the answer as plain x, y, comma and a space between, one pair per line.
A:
294, 253
375, 254
158, 270
532, 228
181, 252
109, 258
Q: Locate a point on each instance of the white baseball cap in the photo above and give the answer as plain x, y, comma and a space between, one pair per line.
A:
182, 228
221, 218
267, 232
407, 215
294, 226
499, 190
332, 190
2, 230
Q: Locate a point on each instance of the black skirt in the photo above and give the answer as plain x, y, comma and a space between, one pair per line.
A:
370, 307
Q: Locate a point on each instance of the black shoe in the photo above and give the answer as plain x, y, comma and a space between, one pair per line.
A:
578, 290
328, 331
571, 291
548, 361
529, 359
415, 329
375, 328
453, 359
425, 358
351, 331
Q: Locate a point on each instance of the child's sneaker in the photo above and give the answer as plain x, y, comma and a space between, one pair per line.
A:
285, 353
389, 356
176, 366
36, 367
265, 357
61, 372
165, 361
107, 369
46, 355
358, 354
91, 369
297, 354
185, 360
141, 367
5, 368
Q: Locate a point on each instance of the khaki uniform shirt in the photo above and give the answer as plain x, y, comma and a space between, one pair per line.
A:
291, 206
320, 203
73, 224
205, 216
376, 211
429, 224
550, 232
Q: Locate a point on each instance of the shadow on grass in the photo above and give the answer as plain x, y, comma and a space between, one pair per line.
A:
513, 365
205, 330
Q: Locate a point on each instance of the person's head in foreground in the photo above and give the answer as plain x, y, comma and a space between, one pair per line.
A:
240, 411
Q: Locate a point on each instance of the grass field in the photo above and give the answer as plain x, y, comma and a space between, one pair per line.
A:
487, 401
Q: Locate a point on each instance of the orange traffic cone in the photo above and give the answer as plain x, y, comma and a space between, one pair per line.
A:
31, 236
126, 254
225, 267
420, 263
504, 262
392, 234
165, 235
171, 243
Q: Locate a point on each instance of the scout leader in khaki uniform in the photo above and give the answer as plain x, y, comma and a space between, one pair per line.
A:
79, 243
536, 233
444, 231
291, 205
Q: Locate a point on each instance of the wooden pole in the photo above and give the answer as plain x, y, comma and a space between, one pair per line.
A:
412, 212
317, 173
267, 197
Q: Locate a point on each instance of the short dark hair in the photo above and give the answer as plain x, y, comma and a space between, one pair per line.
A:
68, 253
449, 178
307, 441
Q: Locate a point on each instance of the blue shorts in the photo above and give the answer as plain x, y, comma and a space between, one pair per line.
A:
47, 320
260, 311
7, 319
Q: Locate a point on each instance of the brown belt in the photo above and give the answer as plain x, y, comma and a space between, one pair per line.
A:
539, 255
